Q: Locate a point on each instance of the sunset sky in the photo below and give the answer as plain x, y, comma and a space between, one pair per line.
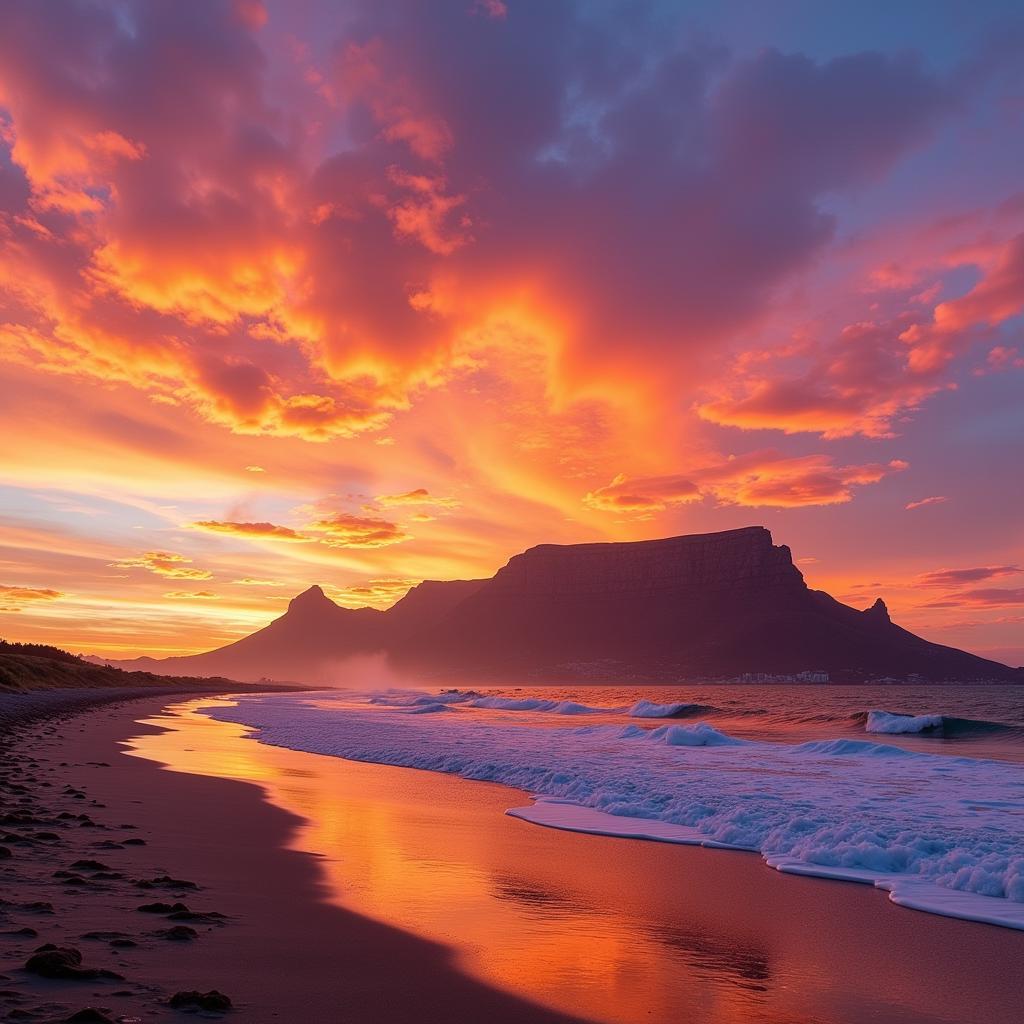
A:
362, 293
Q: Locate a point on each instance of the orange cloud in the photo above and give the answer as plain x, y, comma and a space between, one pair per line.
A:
191, 595
858, 384
372, 74
343, 530
756, 479
13, 599
424, 213
164, 563
1004, 357
646, 494
378, 593
875, 372
992, 597
420, 496
961, 577
258, 531
997, 297
935, 499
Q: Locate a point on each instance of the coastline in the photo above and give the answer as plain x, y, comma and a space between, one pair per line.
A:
612, 930
281, 951
305, 938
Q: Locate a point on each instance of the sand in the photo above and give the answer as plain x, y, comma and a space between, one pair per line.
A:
282, 953
409, 896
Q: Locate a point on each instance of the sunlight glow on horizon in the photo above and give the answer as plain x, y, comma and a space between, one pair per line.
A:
407, 291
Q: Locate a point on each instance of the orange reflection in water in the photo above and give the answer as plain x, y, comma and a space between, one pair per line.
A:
611, 930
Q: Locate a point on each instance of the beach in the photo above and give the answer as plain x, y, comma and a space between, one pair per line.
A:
366, 892
282, 951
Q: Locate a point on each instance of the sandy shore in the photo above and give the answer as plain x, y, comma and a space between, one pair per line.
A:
281, 953
487, 918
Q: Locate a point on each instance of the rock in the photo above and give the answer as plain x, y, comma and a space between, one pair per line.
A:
90, 1015
91, 865
64, 962
165, 881
5, 853
70, 878
195, 915
163, 908
212, 1000
20, 933
179, 933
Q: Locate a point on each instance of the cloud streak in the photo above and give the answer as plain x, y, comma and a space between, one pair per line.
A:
759, 479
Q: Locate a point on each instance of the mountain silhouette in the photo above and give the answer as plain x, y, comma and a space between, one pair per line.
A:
706, 606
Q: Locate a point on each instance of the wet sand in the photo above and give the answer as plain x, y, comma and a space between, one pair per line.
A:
282, 952
615, 931
364, 893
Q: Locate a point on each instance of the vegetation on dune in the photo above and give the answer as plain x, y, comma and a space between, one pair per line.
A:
39, 667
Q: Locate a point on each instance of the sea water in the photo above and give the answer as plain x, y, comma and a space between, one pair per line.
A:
919, 791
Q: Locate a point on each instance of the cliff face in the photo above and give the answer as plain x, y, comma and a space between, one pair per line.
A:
733, 562
704, 606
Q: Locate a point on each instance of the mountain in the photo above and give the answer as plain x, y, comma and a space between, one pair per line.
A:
707, 606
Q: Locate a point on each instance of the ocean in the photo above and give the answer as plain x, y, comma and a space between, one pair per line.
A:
917, 791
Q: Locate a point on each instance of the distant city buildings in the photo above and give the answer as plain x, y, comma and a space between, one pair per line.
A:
808, 676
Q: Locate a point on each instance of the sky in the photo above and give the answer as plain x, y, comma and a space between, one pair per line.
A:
366, 293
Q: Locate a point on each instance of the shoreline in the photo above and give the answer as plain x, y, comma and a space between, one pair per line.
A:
562, 917
280, 952
304, 937
18, 707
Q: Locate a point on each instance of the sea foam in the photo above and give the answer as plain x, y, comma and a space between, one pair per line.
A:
943, 834
887, 722
648, 709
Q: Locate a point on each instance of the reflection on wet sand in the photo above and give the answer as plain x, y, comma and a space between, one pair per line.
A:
613, 930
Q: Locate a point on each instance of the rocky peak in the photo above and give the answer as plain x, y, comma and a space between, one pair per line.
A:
878, 612
311, 600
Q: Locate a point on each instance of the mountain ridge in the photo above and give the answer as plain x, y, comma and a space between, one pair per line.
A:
708, 606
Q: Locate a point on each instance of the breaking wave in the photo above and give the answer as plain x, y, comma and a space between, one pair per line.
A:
647, 709
945, 726
944, 834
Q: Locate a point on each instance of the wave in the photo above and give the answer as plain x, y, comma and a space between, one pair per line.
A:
648, 709
699, 735
912, 822
875, 721
557, 707
944, 726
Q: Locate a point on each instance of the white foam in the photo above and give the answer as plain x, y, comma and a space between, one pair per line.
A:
648, 709
940, 833
698, 735
886, 722
557, 707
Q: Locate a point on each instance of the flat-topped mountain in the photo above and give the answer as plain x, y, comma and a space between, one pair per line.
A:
706, 606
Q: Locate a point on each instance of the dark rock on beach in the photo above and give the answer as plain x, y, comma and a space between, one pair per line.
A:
212, 1000
64, 962
90, 1015
179, 933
